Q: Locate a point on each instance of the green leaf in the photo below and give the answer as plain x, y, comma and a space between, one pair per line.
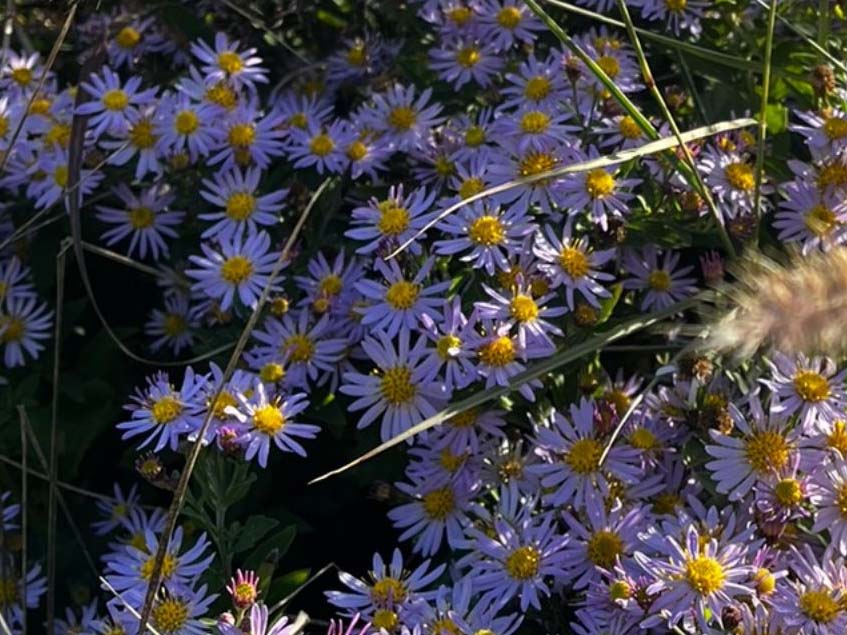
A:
253, 531
286, 584
776, 116
280, 541
607, 305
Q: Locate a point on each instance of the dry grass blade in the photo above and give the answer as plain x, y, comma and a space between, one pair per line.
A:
796, 307
191, 461
543, 367
763, 110
24, 509
4, 627
51, 59
126, 604
652, 147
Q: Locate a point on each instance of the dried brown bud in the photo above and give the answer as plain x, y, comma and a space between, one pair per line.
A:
823, 80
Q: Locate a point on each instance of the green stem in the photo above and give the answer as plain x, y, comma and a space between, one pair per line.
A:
763, 111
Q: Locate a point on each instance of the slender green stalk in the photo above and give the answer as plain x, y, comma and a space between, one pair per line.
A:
763, 111
823, 24
668, 115
24, 510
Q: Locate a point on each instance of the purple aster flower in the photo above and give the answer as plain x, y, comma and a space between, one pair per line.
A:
505, 23
528, 314
732, 180
450, 358
677, 15
24, 324
367, 153
597, 192
161, 410
399, 304
785, 496
241, 266
138, 138
460, 61
111, 101
500, 356
537, 84
766, 446
600, 540
569, 261
49, 179
696, 579
619, 132
241, 207
146, 218
511, 164
116, 512
829, 494
301, 111
474, 132
490, 235
133, 40
19, 75
177, 610
518, 560
271, 419
811, 601
399, 391
436, 510
664, 283
226, 63
815, 220
327, 283
184, 125
388, 223
571, 451
321, 146
405, 119
533, 128
825, 133
248, 137
810, 387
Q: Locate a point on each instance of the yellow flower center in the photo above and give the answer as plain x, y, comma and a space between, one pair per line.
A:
59, 133
705, 575
439, 504
765, 581
22, 76
141, 134
8, 591
465, 419
402, 118
225, 400
471, 186
604, 547
222, 95
402, 295
820, 220
620, 590
610, 65
628, 128
385, 619
740, 176
766, 451
487, 231
169, 565
272, 373
641, 438
115, 99
498, 352
523, 308
574, 262
523, 563
40, 106
4, 126
388, 590
166, 409
321, 145
820, 606
230, 62
811, 386
14, 329
444, 166
509, 17
666, 503
446, 626
659, 280
677, 6
787, 491
537, 88
841, 500
599, 183
474, 136
141, 217
396, 386
460, 15
241, 135
268, 419
393, 219
534, 122
186, 122
240, 206
445, 344
356, 54
170, 615
584, 456
299, 347
236, 270
536, 162
128, 37
357, 151
451, 462
832, 175
468, 56
837, 439
330, 285
835, 127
